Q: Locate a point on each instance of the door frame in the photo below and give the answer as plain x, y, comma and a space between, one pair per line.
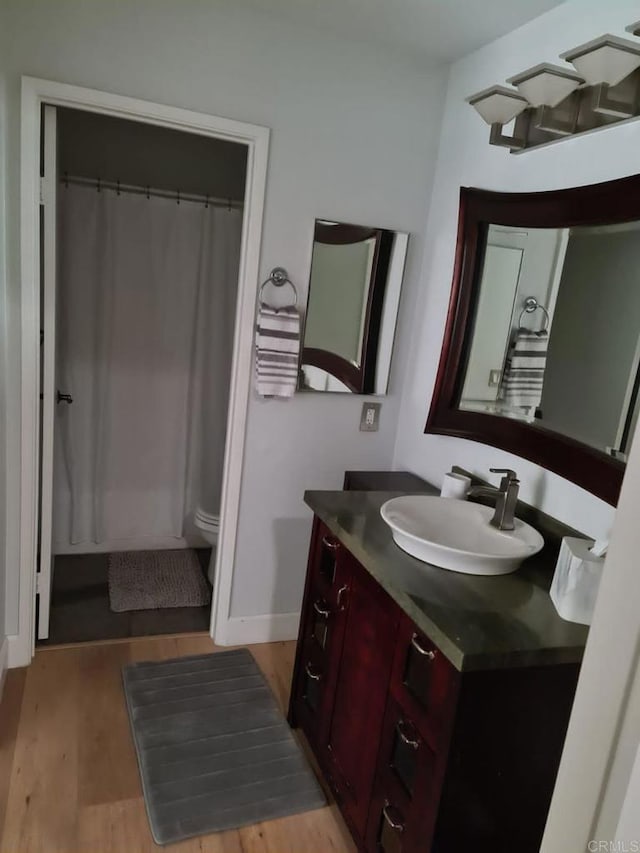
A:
35, 92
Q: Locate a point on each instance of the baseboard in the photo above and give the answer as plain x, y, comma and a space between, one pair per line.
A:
142, 543
18, 651
4, 663
269, 628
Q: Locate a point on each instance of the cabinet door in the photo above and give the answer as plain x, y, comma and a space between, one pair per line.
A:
407, 788
360, 694
320, 638
424, 683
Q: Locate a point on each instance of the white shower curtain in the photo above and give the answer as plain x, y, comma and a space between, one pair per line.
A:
146, 303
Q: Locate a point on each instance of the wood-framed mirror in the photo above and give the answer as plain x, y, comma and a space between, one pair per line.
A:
541, 353
354, 290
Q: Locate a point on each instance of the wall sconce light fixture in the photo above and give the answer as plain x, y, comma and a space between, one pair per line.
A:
556, 102
605, 62
607, 59
546, 85
498, 106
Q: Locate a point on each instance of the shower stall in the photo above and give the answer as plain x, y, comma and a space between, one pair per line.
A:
147, 290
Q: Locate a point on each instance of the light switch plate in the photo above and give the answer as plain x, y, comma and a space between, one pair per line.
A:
370, 417
494, 378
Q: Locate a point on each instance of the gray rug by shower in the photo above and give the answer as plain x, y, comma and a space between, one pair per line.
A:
213, 749
150, 580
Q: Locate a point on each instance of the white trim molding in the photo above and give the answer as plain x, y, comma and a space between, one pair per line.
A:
36, 92
14, 648
609, 679
4, 662
144, 543
269, 628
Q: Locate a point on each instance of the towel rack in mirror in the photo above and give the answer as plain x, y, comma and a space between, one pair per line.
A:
530, 305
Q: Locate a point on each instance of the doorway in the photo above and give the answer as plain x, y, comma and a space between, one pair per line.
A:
181, 498
148, 227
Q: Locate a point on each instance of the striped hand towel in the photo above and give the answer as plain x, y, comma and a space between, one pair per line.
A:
277, 351
524, 370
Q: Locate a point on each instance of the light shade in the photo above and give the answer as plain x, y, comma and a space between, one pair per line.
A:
498, 105
607, 59
634, 28
546, 85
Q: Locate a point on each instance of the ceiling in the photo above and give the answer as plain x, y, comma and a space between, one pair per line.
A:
435, 30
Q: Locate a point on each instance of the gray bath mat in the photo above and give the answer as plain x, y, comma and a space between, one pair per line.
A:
149, 580
213, 749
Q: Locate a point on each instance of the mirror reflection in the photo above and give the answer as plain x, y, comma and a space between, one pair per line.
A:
556, 336
354, 290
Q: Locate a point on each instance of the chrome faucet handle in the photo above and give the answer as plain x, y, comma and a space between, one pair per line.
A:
510, 476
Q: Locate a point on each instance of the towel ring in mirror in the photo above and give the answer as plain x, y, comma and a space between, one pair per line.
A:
531, 304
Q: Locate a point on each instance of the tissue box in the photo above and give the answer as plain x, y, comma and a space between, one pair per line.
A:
576, 580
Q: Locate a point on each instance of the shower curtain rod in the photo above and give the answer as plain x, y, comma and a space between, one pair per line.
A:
150, 191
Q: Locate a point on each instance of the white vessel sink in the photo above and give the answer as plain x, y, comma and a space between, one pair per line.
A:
456, 535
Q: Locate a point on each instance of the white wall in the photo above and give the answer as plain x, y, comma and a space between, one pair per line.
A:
354, 139
466, 159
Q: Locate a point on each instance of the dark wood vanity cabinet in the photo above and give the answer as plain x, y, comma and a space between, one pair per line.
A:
420, 757
342, 671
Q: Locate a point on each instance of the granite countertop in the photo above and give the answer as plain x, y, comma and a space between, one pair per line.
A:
478, 623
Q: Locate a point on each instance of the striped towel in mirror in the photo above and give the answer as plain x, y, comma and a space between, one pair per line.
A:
524, 370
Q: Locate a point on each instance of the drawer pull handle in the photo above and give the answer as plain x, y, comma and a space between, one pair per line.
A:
414, 743
330, 544
394, 823
321, 611
340, 596
428, 653
314, 676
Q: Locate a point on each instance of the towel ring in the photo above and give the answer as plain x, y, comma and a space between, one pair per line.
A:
530, 305
278, 277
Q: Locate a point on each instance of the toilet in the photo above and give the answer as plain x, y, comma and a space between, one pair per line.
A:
207, 526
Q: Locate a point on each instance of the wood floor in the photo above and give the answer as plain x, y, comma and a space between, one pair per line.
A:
69, 781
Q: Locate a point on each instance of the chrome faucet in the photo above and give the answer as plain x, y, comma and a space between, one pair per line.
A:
506, 497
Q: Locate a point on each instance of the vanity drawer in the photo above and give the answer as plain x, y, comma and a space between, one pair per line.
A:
325, 559
325, 612
423, 682
406, 792
312, 692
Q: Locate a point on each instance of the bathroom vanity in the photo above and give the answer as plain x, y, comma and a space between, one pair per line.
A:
436, 704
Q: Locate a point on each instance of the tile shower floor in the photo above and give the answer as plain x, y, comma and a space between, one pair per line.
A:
80, 605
